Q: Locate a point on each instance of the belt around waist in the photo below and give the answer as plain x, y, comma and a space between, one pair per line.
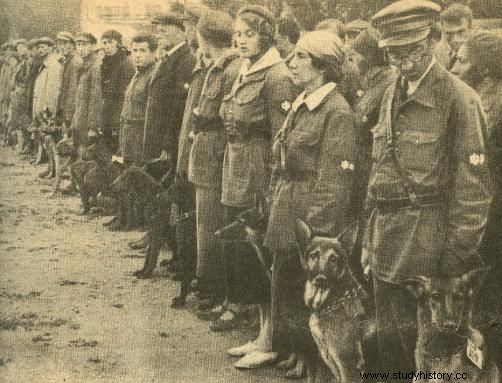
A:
424, 200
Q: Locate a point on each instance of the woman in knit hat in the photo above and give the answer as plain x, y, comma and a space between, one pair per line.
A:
314, 155
252, 112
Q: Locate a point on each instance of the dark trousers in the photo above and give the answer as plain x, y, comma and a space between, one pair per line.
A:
396, 317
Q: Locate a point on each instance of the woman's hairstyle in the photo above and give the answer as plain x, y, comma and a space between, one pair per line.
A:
260, 20
332, 73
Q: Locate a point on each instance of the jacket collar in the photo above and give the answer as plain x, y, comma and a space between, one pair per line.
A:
270, 58
314, 99
425, 93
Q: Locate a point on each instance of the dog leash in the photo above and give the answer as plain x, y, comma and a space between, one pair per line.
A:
262, 260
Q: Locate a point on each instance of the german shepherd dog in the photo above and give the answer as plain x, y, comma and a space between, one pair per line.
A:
49, 131
341, 322
446, 338
66, 155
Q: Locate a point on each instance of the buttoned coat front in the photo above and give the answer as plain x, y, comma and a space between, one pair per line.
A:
88, 100
439, 136
315, 180
69, 81
208, 147
116, 73
132, 119
167, 94
260, 98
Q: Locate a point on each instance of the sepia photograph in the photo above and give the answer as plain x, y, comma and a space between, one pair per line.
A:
250, 191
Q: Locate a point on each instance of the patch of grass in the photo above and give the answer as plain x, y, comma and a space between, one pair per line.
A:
83, 343
27, 321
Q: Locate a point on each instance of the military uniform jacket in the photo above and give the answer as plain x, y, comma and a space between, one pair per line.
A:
208, 148
439, 136
314, 156
259, 100
166, 102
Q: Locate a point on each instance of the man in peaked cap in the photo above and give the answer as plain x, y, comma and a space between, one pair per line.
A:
429, 189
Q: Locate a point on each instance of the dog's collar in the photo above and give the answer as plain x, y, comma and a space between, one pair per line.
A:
184, 216
351, 301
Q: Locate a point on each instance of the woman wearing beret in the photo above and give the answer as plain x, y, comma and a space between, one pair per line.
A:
252, 113
315, 154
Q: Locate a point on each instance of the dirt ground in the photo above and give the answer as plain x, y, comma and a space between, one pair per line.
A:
70, 310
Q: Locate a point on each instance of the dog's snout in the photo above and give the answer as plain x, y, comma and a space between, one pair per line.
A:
320, 281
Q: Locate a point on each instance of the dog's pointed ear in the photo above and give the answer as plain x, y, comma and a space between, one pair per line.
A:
417, 285
303, 235
473, 280
348, 238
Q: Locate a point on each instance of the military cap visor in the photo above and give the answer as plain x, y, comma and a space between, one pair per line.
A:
405, 22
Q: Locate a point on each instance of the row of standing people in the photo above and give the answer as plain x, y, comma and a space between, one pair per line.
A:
313, 137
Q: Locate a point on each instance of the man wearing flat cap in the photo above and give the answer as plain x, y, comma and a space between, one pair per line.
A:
168, 90
116, 74
88, 91
429, 189
65, 42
